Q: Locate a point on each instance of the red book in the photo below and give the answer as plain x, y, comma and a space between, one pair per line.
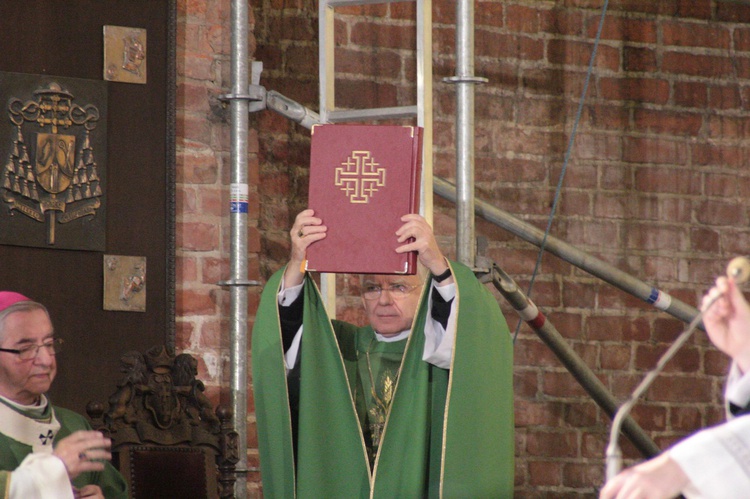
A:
363, 179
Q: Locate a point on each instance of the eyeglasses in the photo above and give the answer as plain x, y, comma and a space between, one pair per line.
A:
373, 292
31, 351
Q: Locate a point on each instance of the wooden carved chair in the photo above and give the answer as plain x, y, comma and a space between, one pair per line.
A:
166, 439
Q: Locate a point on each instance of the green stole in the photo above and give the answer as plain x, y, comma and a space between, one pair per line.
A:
448, 434
4, 484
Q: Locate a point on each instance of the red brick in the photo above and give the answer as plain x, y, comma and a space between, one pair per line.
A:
593, 446
576, 202
302, 60
194, 303
371, 10
369, 34
668, 123
199, 166
719, 213
650, 417
685, 419
580, 415
579, 54
742, 38
604, 117
490, 46
212, 335
699, 9
198, 67
197, 236
667, 329
183, 332
717, 363
615, 176
615, 357
690, 94
186, 269
214, 202
680, 388
214, 270
617, 328
724, 97
637, 89
654, 238
695, 35
667, 180
687, 360
731, 12
526, 383
634, 30
403, 10
534, 352
547, 444
640, 59
543, 473
365, 94
581, 476
366, 62
708, 66
727, 127
561, 384
194, 128
193, 97
705, 240
531, 413
561, 21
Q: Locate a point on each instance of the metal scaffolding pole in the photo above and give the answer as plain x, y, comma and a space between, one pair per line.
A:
574, 256
465, 81
238, 109
568, 357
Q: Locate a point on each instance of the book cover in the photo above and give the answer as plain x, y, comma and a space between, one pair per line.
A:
363, 179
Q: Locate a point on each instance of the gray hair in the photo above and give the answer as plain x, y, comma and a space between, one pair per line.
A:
21, 306
422, 272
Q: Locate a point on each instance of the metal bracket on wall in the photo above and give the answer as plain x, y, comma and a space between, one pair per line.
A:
261, 99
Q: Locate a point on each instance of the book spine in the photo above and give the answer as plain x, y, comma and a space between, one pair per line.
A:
416, 189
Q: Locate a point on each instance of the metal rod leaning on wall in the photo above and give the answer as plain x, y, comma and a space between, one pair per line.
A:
572, 255
568, 357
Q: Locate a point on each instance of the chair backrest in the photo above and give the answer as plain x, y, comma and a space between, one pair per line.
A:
166, 439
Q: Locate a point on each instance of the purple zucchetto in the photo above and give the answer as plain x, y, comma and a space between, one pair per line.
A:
8, 298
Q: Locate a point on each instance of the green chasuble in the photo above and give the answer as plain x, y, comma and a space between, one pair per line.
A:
12, 452
449, 433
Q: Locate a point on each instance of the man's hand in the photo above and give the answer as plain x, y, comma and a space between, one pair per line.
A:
658, 478
727, 321
306, 230
429, 254
79, 450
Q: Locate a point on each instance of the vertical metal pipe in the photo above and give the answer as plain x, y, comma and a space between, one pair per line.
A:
466, 243
238, 222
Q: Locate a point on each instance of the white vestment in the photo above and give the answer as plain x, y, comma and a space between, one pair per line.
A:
40, 476
717, 459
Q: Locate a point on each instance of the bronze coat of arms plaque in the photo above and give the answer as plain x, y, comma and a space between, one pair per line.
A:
53, 145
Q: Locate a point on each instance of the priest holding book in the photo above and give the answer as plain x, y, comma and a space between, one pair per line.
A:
419, 403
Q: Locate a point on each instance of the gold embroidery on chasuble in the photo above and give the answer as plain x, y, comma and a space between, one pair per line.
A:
379, 364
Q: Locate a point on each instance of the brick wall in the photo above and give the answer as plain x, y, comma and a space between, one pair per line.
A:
655, 185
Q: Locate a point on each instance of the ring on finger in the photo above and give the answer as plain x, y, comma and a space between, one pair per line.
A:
300, 234
82, 456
